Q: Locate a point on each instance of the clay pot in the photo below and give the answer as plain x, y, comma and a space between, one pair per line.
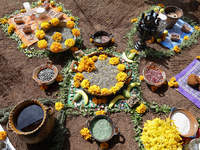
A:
3, 145
39, 132
90, 123
48, 64
193, 122
173, 13
105, 38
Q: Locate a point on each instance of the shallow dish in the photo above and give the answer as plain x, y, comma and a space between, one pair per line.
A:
101, 38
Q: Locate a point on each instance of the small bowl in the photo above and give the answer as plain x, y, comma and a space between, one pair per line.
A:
101, 34
48, 64
193, 122
152, 66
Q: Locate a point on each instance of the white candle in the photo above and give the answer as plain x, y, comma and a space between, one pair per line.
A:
27, 7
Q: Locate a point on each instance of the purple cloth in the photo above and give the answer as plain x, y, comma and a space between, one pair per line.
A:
192, 93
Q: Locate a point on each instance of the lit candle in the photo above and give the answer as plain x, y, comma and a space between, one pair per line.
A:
27, 7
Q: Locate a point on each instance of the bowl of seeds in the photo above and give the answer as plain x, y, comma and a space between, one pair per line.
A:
45, 74
101, 38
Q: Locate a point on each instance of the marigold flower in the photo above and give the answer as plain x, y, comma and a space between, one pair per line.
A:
74, 49
186, 37
59, 9
69, 43
40, 34
56, 47
114, 60
104, 145
43, 87
85, 133
176, 84
55, 21
161, 5
154, 88
42, 44
102, 57
171, 83
100, 48
23, 46
78, 76
134, 20
85, 83
119, 84
176, 49
94, 100
141, 109
75, 32
152, 40
22, 10
105, 91
59, 106
198, 57
3, 21
11, 28
76, 84
3, 135
45, 25
100, 112
94, 89
112, 40
94, 58
141, 78
57, 36
114, 89
72, 18
70, 24
121, 76
121, 67
91, 40
173, 79
134, 51
196, 28
59, 78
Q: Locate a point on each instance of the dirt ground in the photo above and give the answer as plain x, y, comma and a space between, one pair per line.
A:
113, 16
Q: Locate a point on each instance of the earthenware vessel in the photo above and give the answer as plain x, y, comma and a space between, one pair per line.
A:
106, 37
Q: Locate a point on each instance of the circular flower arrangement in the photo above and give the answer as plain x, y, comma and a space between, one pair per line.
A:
101, 74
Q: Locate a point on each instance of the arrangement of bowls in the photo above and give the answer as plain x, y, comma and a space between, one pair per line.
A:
102, 34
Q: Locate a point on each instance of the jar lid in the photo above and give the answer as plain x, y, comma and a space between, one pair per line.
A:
40, 10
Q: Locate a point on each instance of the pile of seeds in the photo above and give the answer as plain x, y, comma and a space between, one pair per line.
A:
46, 74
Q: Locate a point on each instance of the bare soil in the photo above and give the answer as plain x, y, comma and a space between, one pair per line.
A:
113, 16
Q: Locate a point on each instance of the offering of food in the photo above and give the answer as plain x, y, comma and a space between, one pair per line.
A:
174, 37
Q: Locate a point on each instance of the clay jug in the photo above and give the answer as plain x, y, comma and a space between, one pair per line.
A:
31, 121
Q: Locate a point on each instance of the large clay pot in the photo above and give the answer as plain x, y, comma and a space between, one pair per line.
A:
33, 132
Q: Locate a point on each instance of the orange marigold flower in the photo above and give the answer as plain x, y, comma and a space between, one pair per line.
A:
171, 83
69, 42
176, 49
114, 60
196, 28
55, 21
23, 46
85, 83
85, 133
134, 51
56, 47
72, 18
100, 48
100, 112
161, 5
3, 135
59, 78
186, 37
78, 76
75, 32
40, 34
91, 40
114, 89
141, 78
102, 57
104, 145
94, 58
121, 76
176, 84
76, 84
42, 44
43, 87
152, 40
105, 91
59, 106
3, 21
121, 67
141, 109
119, 84
173, 79
70, 24
112, 40
153, 88
45, 25
59, 9
198, 57
57, 36
74, 49
134, 20
94, 89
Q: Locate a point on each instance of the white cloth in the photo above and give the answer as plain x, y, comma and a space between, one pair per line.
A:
10, 146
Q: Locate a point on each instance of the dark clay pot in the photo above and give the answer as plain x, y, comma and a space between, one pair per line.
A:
105, 38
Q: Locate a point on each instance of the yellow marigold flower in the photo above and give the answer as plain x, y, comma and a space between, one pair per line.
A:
104, 145
134, 20
171, 83
134, 51
141, 78
55, 21
78, 76
112, 40
114, 89
43, 87
121, 67
11, 28
100, 48
94, 89
94, 100
74, 49
70, 24
75, 32
57, 36
100, 112
45, 25
69, 43
59, 9
186, 37
40, 34
141, 109
85, 83
91, 40
153, 88
121, 76
3, 21
3, 135
196, 28
114, 60
163, 36
72, 18
59, 106
152, 40
23, 46
59, 78
94, 58
56, 47
176, 49
76, 84
198, 57
173, 79
119, 84
42, 44
105, 91
102, 57
85, 133
176, 84
22, 10
161, 5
